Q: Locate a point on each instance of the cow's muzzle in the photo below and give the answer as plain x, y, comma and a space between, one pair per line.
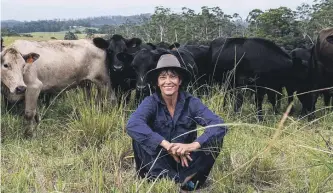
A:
20, 89
141, 87
118, 68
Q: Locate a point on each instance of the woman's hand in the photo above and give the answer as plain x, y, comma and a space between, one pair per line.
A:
167, 146
182, 149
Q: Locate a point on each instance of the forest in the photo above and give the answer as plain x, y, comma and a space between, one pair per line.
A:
286, 27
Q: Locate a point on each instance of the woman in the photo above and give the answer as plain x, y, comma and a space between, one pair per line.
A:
163, 143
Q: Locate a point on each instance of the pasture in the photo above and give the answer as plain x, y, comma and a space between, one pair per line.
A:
81, 146
42, 36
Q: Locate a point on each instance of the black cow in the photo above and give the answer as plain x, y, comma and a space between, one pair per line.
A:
301, 83
121, 74
253, 62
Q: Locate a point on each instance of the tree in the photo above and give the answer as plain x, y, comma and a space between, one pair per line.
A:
160, 20
90, 32
279, 25
322, 16
70, 36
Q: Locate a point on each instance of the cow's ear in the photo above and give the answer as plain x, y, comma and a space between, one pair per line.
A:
125, 57
153, 47
30, 58
101, 43
158, 53
174, 45
330, 39
134, 42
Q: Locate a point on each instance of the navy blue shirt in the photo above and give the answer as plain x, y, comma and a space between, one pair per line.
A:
151, 123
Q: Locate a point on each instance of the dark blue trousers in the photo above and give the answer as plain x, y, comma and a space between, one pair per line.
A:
162, 165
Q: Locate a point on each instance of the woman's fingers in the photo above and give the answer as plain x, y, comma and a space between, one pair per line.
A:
189, 157
184, 160
174, 149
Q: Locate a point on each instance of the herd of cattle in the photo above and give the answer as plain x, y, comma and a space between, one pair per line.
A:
29, 68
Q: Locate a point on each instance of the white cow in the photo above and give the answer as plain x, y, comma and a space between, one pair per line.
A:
30, 67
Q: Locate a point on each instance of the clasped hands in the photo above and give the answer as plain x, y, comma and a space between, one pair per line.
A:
180, 151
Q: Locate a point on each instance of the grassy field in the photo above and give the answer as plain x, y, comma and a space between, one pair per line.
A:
42, 36
82, 147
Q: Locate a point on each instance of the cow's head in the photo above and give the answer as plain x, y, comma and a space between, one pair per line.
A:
300, 58
118, 44
12, 69
163, 45
144, 61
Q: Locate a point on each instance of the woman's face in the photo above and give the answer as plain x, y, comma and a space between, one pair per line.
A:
168, 82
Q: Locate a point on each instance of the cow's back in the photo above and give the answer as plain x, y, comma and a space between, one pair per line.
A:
252, 55
64, 62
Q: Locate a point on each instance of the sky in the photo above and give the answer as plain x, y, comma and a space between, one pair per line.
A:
27, 10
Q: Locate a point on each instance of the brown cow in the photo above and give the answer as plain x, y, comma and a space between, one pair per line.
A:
320, 69
324, 49
61, 64
324, 57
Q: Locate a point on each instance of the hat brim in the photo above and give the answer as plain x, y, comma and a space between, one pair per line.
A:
151, 75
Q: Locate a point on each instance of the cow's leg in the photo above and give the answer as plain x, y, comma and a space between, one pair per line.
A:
239, 98
241, 80
104, 87
259, 100
327, 98
30, 112
86, 85
312, 108
304, 99
271, 95
332, 102
309, 103
331, 96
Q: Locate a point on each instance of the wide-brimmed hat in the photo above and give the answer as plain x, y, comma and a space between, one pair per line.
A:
168, 61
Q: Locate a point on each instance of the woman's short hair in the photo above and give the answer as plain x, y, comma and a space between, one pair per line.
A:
168, 70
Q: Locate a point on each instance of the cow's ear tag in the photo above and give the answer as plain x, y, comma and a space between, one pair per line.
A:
30, 60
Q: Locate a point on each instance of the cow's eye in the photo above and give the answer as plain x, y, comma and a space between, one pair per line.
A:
6, 65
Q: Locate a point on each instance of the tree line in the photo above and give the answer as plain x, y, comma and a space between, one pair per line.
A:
286, 27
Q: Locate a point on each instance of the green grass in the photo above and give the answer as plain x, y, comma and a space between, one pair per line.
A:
41, 36
81, 146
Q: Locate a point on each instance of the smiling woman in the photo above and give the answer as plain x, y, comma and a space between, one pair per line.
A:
164, 134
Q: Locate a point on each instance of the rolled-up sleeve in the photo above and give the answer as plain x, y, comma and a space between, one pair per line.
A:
205, 117
139, 130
